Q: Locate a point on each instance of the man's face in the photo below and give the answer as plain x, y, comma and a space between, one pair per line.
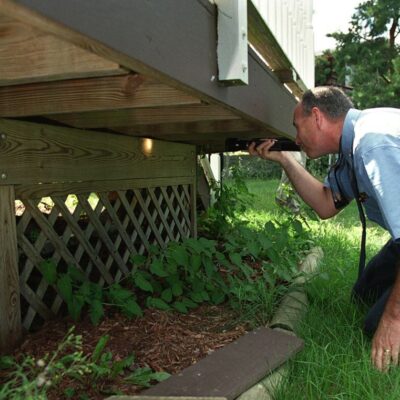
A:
307, 134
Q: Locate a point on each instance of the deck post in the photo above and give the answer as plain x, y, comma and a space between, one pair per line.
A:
10, 312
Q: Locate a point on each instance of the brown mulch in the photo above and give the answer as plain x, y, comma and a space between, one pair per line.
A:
164, 341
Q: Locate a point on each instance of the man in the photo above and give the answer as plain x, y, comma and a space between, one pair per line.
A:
368, 143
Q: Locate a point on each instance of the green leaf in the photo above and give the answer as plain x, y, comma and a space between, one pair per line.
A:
298, 227
119, 366
180, 306
195, 262
264, 241
205, 295
85, 291
153, 302
96, 291
273, 255
189, 303
209, 267
96, 311
217, 297
157, 268
76, 274
177, 289
75, 306
180, 256
98, 350
194, 245
236, 259
196, 296
49, 270
6, 362
138, 259
118, 294
69, 392
64, 286
166, 295
172, 267
142, 283
254, 248
160, 376
132, 309
143, 377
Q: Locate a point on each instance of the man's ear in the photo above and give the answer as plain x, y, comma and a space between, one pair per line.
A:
318, 116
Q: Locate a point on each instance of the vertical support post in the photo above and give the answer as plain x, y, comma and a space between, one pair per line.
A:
193, 196
193, 208
10, 311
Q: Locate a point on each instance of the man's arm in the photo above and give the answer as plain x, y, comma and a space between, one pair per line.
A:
310, 189
386, 341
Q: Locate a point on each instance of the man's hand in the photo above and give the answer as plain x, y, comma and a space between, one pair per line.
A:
262, 151
386, 343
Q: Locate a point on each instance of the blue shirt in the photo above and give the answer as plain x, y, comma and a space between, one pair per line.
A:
373, 136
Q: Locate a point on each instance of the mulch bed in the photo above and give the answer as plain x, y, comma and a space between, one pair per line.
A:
164, 341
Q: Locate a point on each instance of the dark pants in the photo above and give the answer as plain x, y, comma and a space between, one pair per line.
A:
374, 286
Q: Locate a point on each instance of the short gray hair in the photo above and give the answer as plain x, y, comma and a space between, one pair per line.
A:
332, 101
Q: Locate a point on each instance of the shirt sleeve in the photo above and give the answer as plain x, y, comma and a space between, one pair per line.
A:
382, 166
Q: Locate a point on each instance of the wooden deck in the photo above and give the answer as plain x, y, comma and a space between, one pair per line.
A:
129, 70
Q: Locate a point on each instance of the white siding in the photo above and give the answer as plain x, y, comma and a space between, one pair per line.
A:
291, 23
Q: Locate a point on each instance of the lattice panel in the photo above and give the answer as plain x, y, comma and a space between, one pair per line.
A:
98, 232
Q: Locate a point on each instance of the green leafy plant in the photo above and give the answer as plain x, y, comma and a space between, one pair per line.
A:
79, 292
33, 379
230, 200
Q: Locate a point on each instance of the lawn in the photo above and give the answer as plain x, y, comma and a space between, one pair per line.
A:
335, 363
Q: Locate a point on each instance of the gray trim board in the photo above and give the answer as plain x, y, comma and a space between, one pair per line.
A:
233, 369
175, 40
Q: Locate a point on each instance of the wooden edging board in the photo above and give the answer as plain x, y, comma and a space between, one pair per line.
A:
230, 371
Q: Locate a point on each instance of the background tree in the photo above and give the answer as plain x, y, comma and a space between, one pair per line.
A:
367, 57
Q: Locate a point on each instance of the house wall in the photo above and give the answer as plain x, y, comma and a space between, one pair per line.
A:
291, 23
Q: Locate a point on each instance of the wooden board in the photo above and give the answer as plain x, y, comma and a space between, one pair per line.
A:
31, 55
10, 314
190, 128
38, 153
184, 58
131, 117
230, 371
79, 95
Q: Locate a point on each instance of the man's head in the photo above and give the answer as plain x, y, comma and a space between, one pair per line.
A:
319, 118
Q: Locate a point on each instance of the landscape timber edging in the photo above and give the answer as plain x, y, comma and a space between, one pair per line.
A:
288, 315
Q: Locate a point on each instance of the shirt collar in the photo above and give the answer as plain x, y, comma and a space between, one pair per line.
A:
348, 133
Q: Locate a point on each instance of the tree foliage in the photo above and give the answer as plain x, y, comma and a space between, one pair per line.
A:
367, 57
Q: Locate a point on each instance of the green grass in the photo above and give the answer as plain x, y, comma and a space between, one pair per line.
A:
335, 362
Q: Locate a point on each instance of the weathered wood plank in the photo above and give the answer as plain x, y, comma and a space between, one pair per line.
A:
130, 117
31, 55
190, 128
10, 313
79, 95
58, 189
230, 371
190, 66
56, 154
